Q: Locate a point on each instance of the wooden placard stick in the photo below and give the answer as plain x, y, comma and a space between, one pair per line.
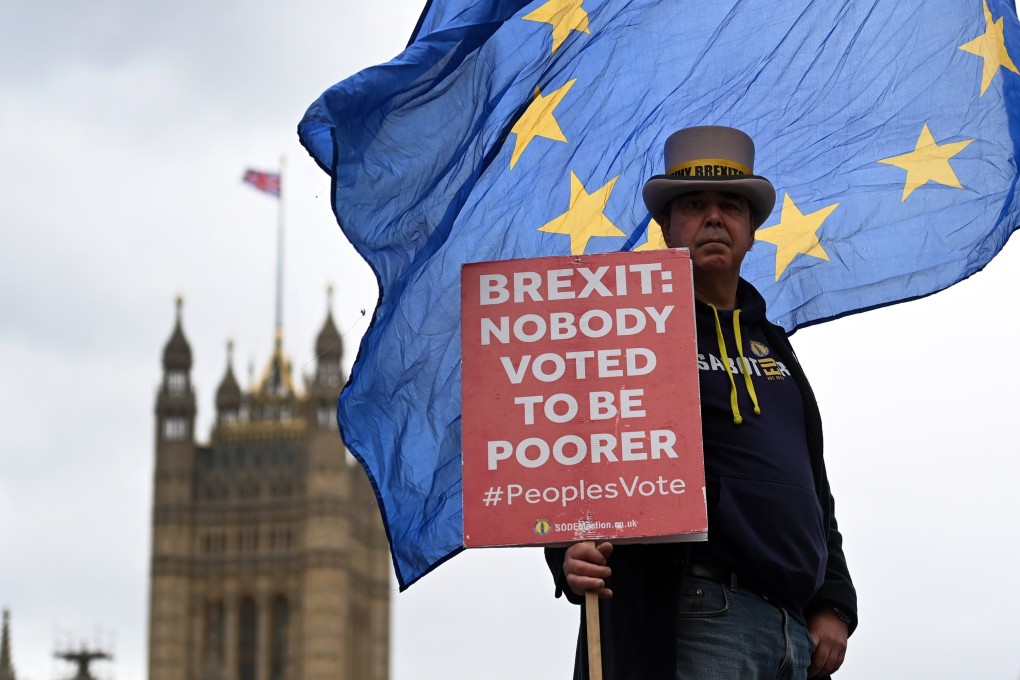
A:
591, 608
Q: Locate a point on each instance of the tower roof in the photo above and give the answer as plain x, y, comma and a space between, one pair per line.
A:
329, 343
228, 395
177, 353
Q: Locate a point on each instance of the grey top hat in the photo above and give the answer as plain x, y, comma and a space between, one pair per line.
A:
710, 158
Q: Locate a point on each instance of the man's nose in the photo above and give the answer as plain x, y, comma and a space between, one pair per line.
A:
712, 213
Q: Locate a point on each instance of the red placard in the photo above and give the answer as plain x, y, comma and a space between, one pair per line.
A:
581, 412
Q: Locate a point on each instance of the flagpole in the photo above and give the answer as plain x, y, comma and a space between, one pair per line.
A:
279, 261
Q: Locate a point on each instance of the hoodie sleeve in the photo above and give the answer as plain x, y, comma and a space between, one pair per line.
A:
837, 590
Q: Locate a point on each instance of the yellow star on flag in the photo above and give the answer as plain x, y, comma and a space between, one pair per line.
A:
538, 121
796, 234
928, 162
564, 16
655, 239
584, 219
990, 46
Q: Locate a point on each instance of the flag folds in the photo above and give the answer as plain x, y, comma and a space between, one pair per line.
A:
520, 129
268, 182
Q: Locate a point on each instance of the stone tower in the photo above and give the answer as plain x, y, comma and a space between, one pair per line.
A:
269, 561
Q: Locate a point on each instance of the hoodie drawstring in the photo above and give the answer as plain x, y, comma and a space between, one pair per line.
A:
744, 365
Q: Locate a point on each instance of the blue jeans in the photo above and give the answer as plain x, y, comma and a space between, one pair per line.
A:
727, 633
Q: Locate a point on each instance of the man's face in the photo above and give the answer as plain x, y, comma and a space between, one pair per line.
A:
715, 226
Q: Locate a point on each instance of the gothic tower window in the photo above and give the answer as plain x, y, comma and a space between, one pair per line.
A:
329, 373
326, 415
176, 382
357, 634
280, 624
175, 428
214, 636
247, 640
248, 541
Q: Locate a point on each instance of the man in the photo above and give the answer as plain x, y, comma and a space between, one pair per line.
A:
768, 595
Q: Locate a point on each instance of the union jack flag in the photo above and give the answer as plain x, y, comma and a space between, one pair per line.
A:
268, 182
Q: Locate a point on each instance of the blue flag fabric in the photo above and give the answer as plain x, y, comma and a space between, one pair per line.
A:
513, 129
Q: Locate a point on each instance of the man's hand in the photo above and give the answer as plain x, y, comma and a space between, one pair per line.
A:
829, 635
585, 568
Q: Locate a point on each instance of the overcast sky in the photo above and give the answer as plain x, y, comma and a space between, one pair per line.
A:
124, 130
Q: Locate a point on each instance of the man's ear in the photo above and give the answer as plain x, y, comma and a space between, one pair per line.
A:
663, 221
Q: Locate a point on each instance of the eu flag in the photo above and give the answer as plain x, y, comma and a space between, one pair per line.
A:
520, 129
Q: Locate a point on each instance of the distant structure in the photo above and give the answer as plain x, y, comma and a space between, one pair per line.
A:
269, 560
83, 658
6, 666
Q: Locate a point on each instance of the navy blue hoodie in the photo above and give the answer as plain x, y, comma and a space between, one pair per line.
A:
764, 515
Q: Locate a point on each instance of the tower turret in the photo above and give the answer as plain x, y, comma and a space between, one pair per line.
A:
6, 666
329, 349
177, 352
175, 403
228, 394
328, 378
